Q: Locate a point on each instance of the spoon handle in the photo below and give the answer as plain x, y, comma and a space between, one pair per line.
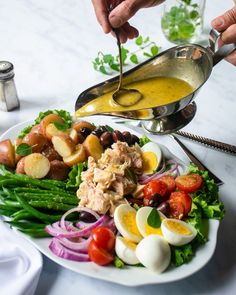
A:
228, 148
120, 58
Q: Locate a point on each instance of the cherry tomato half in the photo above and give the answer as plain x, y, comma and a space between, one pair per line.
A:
182, 198
104, 238
99, 255
155, 187
170, 182
176, 209
189, 183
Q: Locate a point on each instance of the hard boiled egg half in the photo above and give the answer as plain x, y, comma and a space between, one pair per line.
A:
154, 253
177, 232
141, 220
125, 250
125, 222
152, 156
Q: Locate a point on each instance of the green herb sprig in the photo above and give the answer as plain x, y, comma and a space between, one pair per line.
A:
108, 64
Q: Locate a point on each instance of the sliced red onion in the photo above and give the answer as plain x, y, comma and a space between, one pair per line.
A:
158, 175
85, 231
58, 249
76, 246
77, 209
149, 177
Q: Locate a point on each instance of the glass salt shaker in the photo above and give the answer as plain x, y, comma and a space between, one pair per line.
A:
8, 95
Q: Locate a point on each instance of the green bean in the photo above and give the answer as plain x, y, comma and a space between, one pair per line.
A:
44, 192
39, 233
26, 225
8, 208
5, 212
50, 205
11, 182
56, 199
13, 204
42, 216
21, 215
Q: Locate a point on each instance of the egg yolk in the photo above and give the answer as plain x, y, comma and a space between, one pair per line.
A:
178, 228
150, 162
130, 244
152, 230
129, 220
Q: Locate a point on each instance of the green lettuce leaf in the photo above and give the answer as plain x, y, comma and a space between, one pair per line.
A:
205, 205
62, 113
143, 140
74, 177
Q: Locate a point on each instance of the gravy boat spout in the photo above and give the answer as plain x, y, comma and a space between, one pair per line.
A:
189, 62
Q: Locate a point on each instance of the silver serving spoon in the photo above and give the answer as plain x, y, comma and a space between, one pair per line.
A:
123, 96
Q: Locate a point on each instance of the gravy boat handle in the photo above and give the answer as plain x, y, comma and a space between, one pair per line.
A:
218, 53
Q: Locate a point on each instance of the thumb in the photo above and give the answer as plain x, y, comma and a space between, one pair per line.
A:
221, 23
126, 9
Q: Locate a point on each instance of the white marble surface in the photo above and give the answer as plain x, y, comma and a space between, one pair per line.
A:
51, 44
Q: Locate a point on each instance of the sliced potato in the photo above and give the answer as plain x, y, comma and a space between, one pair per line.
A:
81, 124
36, 140
51, 130
93, 146
74, 135
37, 129
63, 144
7, 153
78, 156
36, 165
58, 170
50, 153
50, 119
20, 167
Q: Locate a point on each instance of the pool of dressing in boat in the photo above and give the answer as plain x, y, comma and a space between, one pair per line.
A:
156, 92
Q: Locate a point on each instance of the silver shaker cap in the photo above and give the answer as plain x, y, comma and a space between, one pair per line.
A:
6, 70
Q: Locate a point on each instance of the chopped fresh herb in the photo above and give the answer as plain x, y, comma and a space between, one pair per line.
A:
154, 219
109, 128
130, 175
24, 149
61, 126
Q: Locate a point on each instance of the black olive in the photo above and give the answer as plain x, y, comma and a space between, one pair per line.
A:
106, 139
117, 136
99, 131
86, 217
164, 207
155, 200
127, 137
134, 139
85, 131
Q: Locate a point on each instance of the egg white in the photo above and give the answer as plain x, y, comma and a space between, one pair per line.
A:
125, 250
156, 152
175, 238
154, 253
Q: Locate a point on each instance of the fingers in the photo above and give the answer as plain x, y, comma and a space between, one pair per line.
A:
127, 8
126, 32
229, 35
221, 23
101, 11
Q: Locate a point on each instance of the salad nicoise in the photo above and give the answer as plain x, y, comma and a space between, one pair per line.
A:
104, 195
